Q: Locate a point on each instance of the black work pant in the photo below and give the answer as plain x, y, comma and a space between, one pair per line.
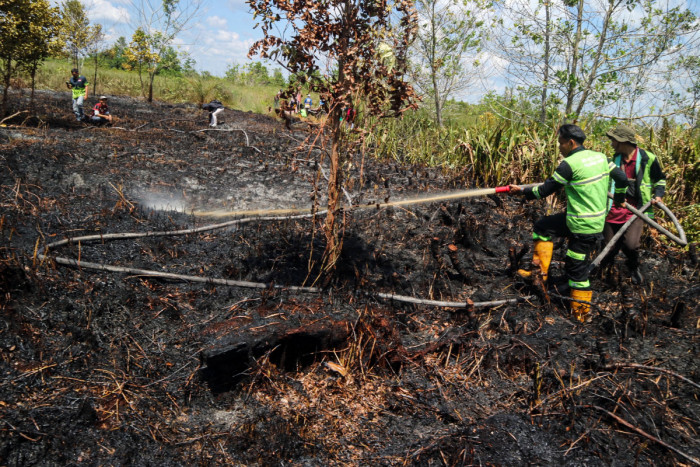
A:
579, 248
629, 242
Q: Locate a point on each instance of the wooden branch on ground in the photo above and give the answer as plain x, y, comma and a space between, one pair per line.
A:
12, 116
468, 304
619, 366
639, 431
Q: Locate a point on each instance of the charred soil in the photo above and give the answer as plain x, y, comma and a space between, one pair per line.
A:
117, 367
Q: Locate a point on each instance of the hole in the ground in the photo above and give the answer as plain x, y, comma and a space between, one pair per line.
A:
290, 350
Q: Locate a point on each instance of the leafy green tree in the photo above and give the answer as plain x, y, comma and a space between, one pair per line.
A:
278, 78
233, 72
367, 42
115, 54
140, 56
159, 25
77, 33
28, 34
256, 73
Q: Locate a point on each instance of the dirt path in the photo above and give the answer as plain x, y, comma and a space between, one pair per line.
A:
110, 368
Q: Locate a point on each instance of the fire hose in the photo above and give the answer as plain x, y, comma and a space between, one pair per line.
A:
681, 239
41, 253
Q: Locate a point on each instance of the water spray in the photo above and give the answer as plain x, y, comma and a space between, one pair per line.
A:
461, 194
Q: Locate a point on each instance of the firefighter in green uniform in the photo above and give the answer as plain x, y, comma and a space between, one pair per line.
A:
647, 183
585, 176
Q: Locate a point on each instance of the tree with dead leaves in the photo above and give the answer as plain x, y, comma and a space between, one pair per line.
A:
362, 46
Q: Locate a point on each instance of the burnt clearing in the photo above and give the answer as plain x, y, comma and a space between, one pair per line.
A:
114, 368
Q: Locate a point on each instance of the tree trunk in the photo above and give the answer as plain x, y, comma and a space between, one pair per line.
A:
434, 69
143, 90
6, 78
573, 81
598, 58
32, 73
151, 77
330, 228
545, 77
94, 79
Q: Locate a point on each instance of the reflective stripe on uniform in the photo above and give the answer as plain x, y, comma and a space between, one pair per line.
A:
579, 285
544, 238
588, 180
577, 256
589, 215
560, 179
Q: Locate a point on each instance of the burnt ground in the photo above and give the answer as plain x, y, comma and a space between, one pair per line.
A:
119, 367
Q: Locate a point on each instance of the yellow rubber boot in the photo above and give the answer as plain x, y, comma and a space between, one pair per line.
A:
541, 258
581, 311
544, 250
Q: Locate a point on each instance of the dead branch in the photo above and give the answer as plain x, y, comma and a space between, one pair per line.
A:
419, 301
129, 235
620, 366
167, 275
645, 434
12, 116
247, 141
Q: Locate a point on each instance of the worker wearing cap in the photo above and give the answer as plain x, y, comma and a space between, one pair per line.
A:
647, 183
100, 113
585, 176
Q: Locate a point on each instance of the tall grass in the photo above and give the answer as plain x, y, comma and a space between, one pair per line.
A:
193, 89
496, 151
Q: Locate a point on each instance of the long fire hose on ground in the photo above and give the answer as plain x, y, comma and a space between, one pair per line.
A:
42, 253
462, 194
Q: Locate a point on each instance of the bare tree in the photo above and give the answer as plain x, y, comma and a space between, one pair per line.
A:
449, 34
594, 55
364, 43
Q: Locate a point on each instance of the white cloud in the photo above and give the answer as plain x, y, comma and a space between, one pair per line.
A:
103, 10
214, 50
216, 21
224, 36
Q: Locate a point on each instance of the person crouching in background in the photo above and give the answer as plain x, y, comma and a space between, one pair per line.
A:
100, 113
215, 107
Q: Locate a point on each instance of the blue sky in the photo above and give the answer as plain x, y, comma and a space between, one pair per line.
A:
220, 36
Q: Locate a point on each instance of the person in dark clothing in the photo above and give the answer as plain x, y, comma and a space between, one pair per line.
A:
215, 107
648, 183
79, 85
584, 174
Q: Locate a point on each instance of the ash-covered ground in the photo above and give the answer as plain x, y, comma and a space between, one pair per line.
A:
120, 367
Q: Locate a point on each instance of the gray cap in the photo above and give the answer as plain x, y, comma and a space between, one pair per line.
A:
103, 97
622, 134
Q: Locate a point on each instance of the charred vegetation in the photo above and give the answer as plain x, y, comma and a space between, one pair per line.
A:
111, 368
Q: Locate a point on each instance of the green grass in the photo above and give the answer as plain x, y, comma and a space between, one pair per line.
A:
194, 89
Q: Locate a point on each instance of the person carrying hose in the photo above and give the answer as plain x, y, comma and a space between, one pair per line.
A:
647, 183
585, 176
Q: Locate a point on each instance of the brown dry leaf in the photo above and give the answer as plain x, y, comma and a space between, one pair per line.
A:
334, 367
549, 320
